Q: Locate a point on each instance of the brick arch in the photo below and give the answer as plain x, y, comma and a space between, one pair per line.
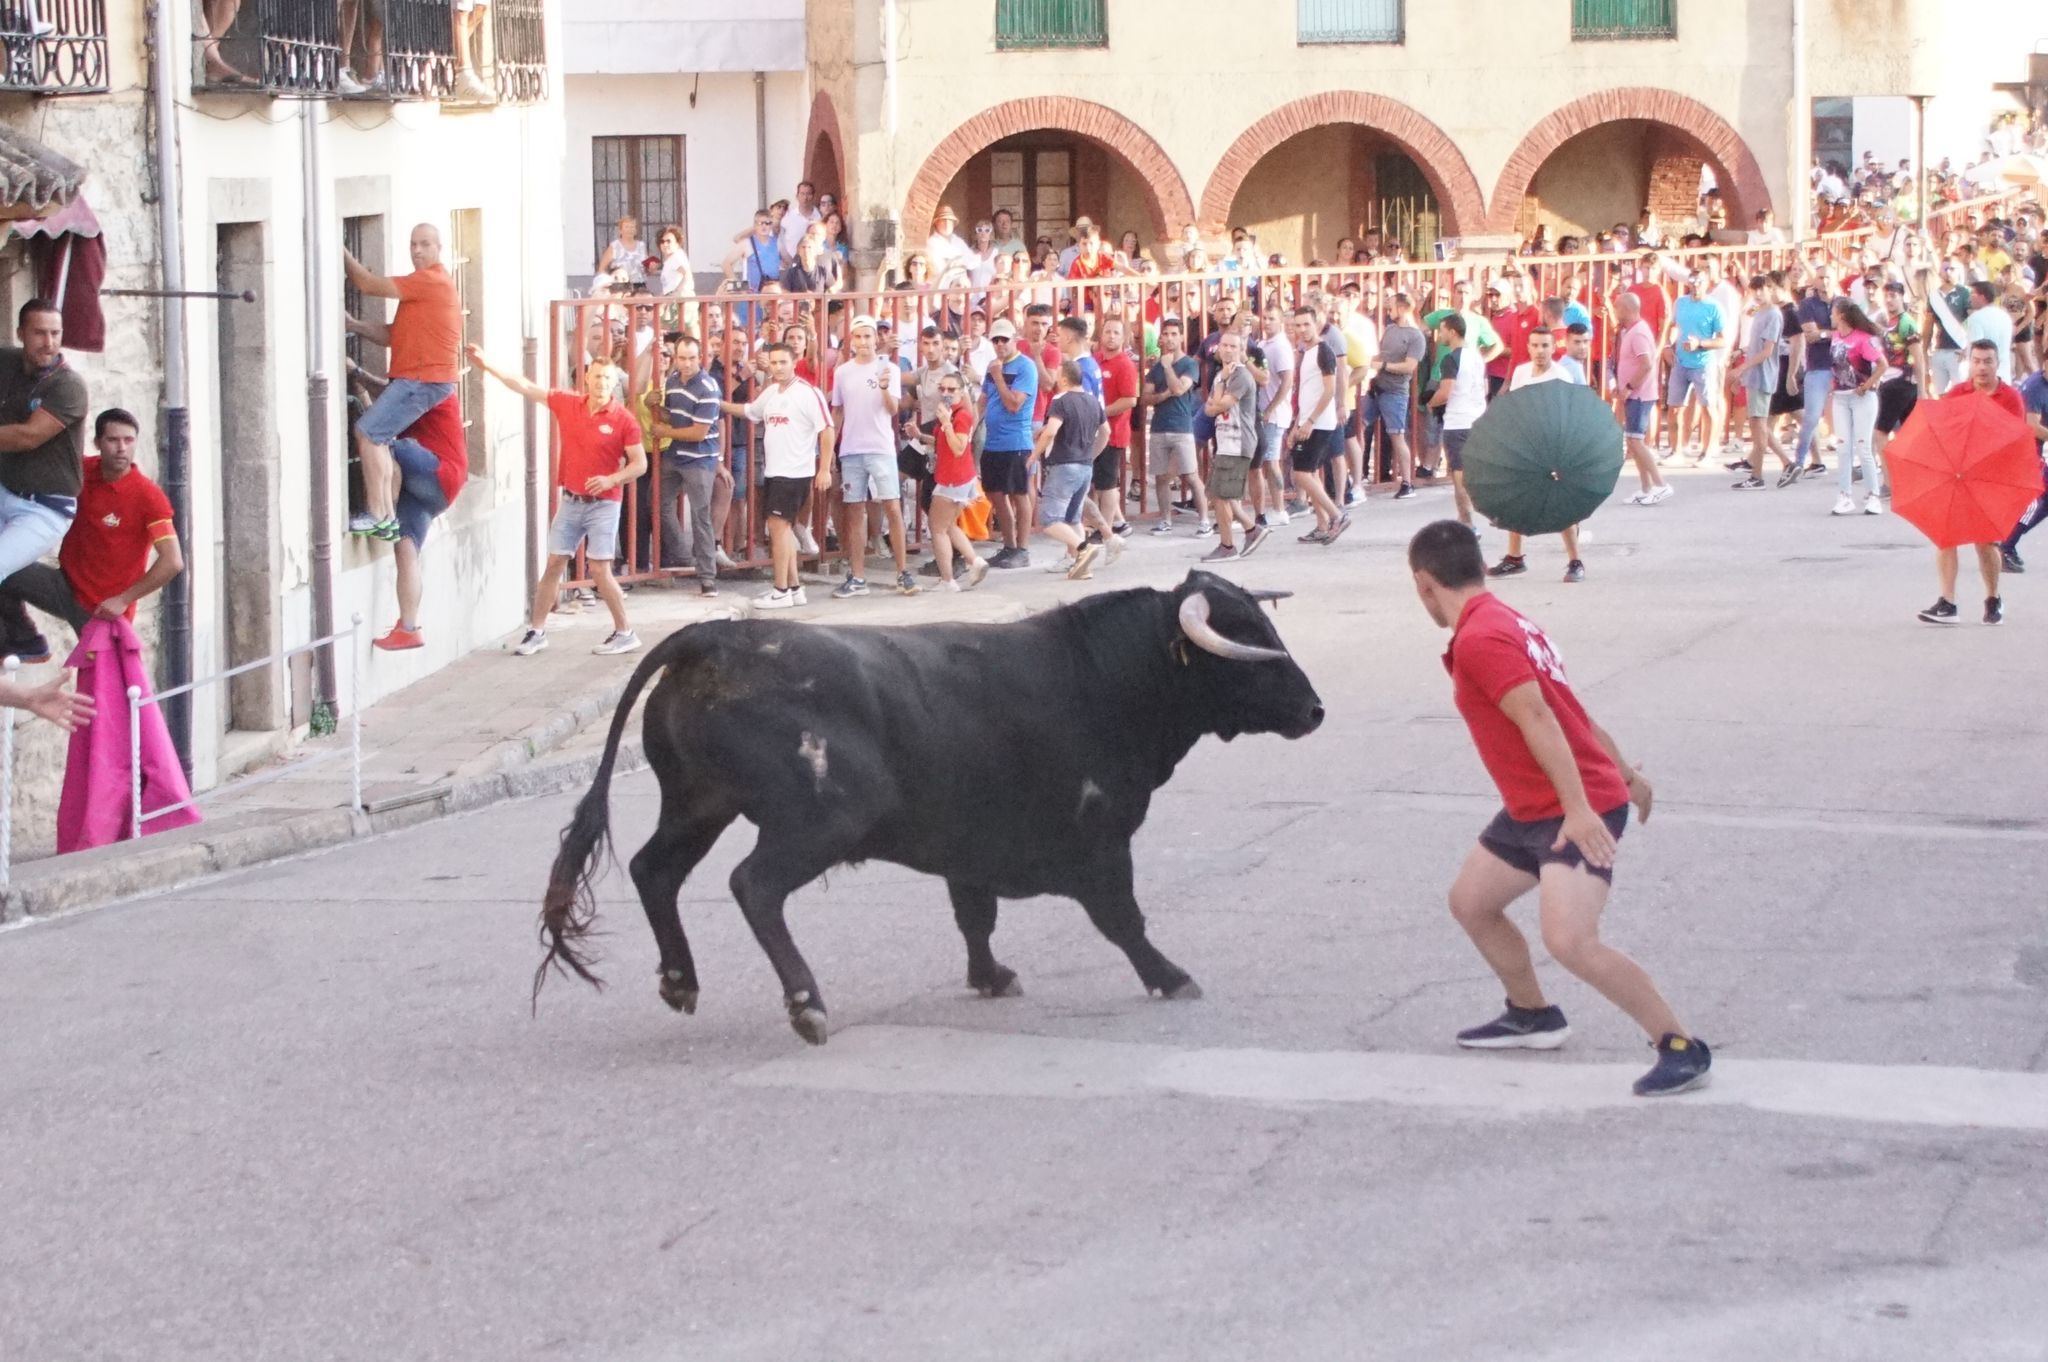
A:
1134, 148
1743, 186
1450, 178
825, 124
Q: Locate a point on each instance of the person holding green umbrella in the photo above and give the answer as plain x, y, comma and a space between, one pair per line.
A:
1461, 396
1541, 368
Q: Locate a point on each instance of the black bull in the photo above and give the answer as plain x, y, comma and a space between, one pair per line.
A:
1008, 759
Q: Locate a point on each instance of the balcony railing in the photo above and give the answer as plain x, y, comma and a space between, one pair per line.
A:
1348, 21
520, 51
277, 47
55, 47
419, 50
1604, 20
1027, 24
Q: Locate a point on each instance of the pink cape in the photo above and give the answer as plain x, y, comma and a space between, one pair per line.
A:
98, 803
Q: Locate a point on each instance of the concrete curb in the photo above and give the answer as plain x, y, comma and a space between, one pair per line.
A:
514, 770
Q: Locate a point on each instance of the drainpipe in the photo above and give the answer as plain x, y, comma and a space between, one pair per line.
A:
320, 454
761, 136
175, 418
1802, 130
1920, 160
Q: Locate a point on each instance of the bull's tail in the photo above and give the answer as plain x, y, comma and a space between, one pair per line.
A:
569, 909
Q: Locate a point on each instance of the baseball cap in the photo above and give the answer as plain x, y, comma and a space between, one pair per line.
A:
1004, 329
859, 323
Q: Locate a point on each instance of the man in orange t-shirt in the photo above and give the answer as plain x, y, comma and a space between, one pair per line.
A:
423, 337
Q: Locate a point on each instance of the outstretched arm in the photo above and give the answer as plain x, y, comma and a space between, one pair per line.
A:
531, 391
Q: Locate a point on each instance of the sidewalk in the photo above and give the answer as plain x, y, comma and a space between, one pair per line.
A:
492, 727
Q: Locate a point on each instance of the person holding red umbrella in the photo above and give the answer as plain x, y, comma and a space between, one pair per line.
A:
1983, 381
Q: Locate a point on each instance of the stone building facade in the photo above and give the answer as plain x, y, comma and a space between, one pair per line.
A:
272, 178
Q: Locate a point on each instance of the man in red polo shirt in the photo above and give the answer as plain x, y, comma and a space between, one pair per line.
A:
1566, 791
1119, 396
1983, 381
105, 563
432, 458
600, 453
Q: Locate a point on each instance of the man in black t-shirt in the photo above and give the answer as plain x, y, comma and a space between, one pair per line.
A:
42, 439
1066, 443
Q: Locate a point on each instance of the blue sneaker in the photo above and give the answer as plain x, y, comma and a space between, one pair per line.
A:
1519, 1028
852, 586
1682, 1065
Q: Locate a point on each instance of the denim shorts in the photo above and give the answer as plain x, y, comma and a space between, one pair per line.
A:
1269, 445
405, 401
1390, 408
963, 495
869, 477
1705, 380
1636, 416
592, 524
420, 497
1063, 491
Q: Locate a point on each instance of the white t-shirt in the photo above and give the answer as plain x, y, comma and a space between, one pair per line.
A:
1728, 298
1525, 374
1467, 402
791, 420
675, 271
945, 249
865, 423
1313, 382
795, 222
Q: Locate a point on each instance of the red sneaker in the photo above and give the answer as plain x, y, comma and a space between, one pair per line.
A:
399, 639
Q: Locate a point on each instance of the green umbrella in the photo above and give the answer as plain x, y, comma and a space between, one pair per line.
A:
1543, 457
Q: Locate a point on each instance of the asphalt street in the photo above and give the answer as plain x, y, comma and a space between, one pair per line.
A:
303, 1112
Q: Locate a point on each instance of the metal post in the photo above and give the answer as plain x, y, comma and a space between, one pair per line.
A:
135, 753
529, 363
355, 712
12, 665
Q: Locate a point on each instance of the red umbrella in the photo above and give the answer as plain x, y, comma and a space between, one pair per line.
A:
1963, 470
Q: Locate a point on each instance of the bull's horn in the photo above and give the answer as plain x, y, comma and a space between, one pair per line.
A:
1194, 622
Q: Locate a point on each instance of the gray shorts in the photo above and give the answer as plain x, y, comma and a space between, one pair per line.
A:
592, 525
869, 477
1705, 380
1173, 455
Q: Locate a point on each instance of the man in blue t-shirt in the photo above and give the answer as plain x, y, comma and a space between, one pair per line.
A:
1173, 392
1010, 390
690, 459
1698, 335
2034, 399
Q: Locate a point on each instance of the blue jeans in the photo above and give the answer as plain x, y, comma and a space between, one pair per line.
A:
420, 497
28, 530
401, 403
1817, 386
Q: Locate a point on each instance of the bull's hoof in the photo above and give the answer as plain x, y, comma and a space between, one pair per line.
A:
810, 1023
676, 995
998, 983
1186, 991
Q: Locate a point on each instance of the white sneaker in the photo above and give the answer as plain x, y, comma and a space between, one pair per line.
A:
1275, 519
1844, 505
806, 542
532, 642
797, 596
1208, 527
725, 562
1639, 499
1873, 506
347, 83
1661, 494
1112, 548
618, 641
362, 522
777, 599
1060, 564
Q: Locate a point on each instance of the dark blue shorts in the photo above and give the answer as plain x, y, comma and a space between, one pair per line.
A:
1526, 845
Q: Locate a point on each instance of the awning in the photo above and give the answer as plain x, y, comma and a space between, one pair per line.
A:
32, 175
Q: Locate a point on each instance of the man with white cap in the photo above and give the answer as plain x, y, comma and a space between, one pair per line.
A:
868, 390
944, 248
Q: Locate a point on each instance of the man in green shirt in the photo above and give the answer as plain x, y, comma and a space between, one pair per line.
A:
42, 439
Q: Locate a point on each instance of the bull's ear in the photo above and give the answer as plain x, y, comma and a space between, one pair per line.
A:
1269, 597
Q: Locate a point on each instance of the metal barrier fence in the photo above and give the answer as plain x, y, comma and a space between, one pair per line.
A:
731, 327
137, 702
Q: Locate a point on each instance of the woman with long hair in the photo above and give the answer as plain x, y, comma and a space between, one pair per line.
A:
1858, 349
953, 482
1129, 244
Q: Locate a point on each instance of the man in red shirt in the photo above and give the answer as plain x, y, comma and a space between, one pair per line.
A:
424, 338
600, 452
1567, 792
105, 564
1119, 396
433, 463
1982, 382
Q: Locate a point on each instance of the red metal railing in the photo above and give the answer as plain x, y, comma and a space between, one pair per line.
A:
733, 326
